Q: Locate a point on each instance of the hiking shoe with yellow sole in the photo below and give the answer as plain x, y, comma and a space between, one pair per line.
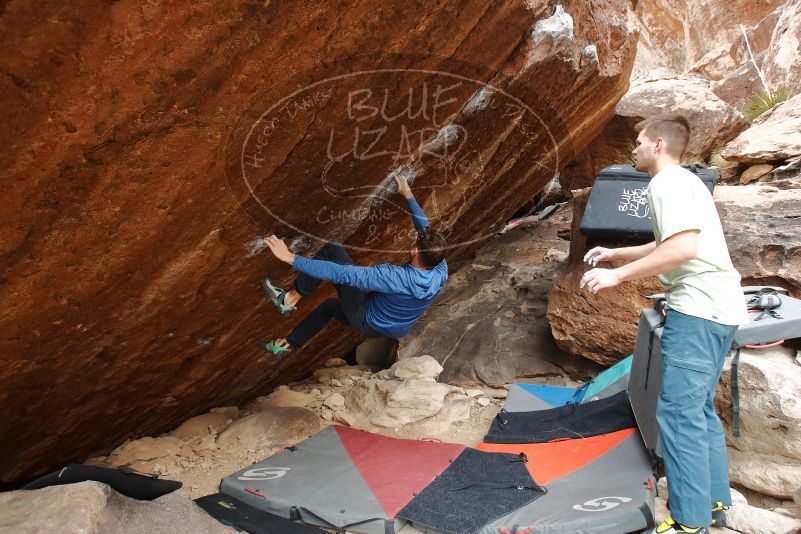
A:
670, 526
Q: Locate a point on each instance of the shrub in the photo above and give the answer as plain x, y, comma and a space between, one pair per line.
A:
761, 103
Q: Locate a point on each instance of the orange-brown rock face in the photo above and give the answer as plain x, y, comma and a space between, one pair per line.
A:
146, 146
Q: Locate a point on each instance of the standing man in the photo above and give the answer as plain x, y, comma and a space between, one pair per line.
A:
381, 301
705, 308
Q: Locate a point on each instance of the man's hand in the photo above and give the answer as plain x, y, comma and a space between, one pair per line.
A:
597, 279
599, 254
279, 249
403, 186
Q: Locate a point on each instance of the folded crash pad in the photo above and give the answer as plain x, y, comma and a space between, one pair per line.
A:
567, 422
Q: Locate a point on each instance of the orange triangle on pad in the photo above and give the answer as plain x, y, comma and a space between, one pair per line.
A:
555, 459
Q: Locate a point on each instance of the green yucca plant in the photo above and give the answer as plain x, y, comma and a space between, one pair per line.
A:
761, 103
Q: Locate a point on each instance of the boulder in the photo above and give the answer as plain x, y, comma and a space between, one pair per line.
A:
489, 325
773, 136
753, 520
92, 507
202, 425
273, 427
454, 410
767, 456
421, 367
713, 122
768, 474
763, 231
394, 403
754, 173
144, 450
140, 172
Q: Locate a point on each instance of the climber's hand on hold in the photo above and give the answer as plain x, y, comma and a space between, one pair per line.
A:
279, 249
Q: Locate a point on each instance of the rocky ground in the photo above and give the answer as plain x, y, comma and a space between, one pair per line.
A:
404, 402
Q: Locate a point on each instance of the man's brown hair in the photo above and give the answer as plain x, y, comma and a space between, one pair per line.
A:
431, 245
673, 128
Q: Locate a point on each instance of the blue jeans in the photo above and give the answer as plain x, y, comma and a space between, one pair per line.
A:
693, 442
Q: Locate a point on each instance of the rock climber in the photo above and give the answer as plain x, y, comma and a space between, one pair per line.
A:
380, 301
705, 308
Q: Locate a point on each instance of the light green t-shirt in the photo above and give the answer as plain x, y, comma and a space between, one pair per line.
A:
707, 286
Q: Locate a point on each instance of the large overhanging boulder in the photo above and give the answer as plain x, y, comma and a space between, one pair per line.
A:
763, 231
145, 148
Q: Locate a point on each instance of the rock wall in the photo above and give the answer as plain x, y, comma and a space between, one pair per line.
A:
679, 36
146, 146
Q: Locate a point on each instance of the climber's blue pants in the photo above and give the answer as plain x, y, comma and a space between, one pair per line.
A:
693, 442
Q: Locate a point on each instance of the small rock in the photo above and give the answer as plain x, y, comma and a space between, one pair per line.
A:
754, 173
347, 381
336, 383
798, 357
327, 414
555, 256
282, 388
317, 392
472, 393
484, 401
335, 362
420, 367
335, 402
